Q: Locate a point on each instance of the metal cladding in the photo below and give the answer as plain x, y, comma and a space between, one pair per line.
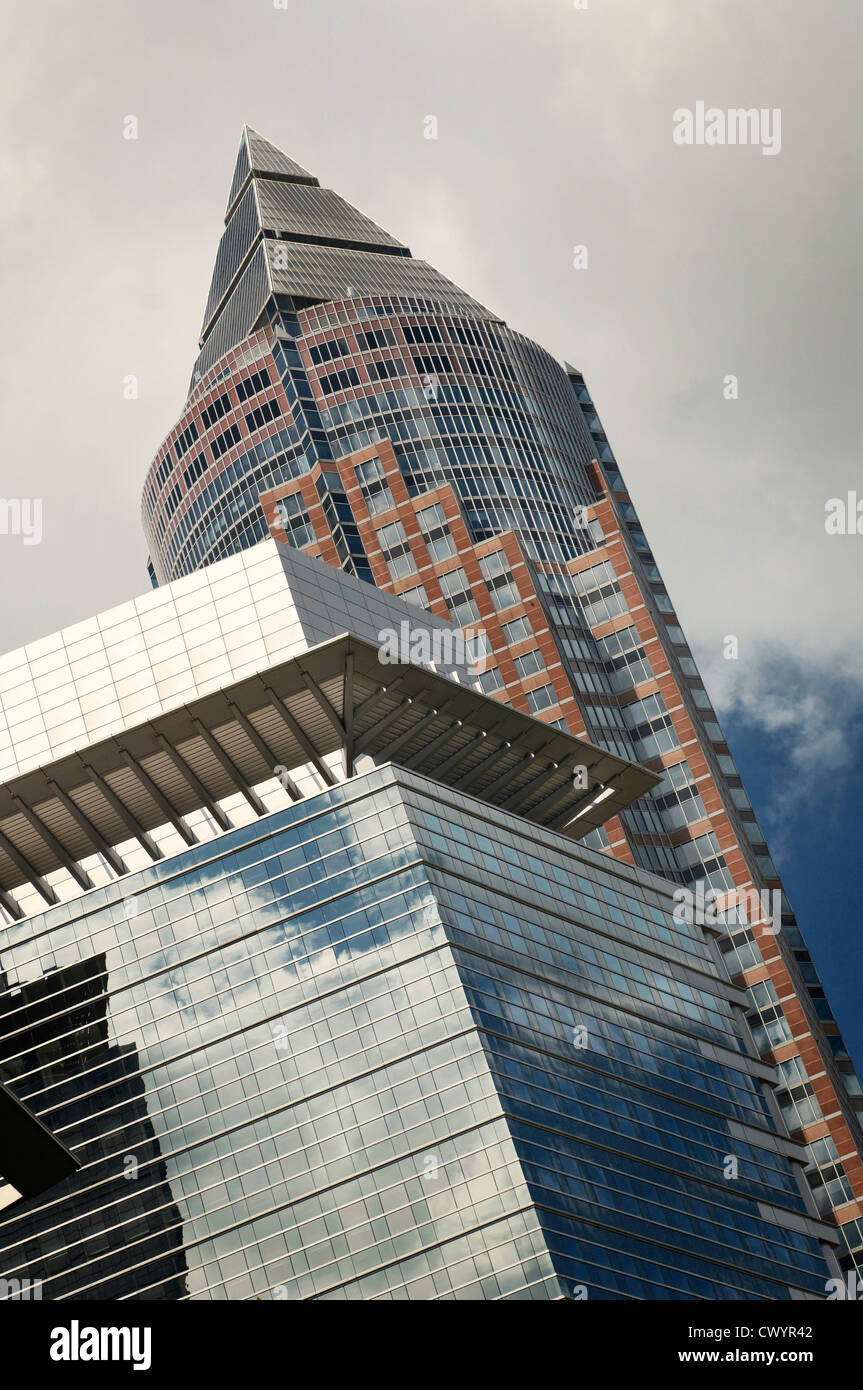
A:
377, 404
342, 873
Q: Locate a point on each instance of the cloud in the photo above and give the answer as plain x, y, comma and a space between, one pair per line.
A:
554, 129
802, 726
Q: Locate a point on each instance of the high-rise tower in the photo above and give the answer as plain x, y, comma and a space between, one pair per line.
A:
334, 962
401, 431
310, 977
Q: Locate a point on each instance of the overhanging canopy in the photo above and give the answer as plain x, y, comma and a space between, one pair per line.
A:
338, 696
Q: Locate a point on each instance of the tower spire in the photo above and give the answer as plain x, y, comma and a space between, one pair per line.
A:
333, 251
259, 157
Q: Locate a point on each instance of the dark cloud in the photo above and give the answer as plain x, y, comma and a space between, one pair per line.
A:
555, 129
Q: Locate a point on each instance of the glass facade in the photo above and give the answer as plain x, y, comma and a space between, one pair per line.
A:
359, 347
393, 1042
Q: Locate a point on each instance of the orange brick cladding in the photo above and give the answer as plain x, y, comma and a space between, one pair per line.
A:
642, 614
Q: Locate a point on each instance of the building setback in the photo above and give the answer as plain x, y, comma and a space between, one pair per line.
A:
327, 997
341, 958
399, 430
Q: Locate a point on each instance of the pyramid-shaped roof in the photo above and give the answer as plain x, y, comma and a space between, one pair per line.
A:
286, 234
257, 156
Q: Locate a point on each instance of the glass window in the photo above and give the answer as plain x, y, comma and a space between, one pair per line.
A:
373, 485
436, 533
490, 680
458, 596
529, 664
541, 698
417, 595
518, 630
295, 520
500, 583
396, 550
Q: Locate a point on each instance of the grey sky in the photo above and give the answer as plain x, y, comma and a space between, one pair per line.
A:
555, 129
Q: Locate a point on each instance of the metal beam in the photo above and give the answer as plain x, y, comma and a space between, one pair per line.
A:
89, 829
194, 782
398, 742
301, 736
80, 875
348, 705
406, 735
367, 738
566, 817
371, 700
558, 822
230, 767
521, 796
553, 797
15, 910
155, 791
439, 741
443, 768
265, 751
509, 776
325, 704
469, 778
26, 868
123, 812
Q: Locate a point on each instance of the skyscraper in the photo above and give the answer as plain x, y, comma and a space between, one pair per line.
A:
350, 958
309, 970
399, 430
